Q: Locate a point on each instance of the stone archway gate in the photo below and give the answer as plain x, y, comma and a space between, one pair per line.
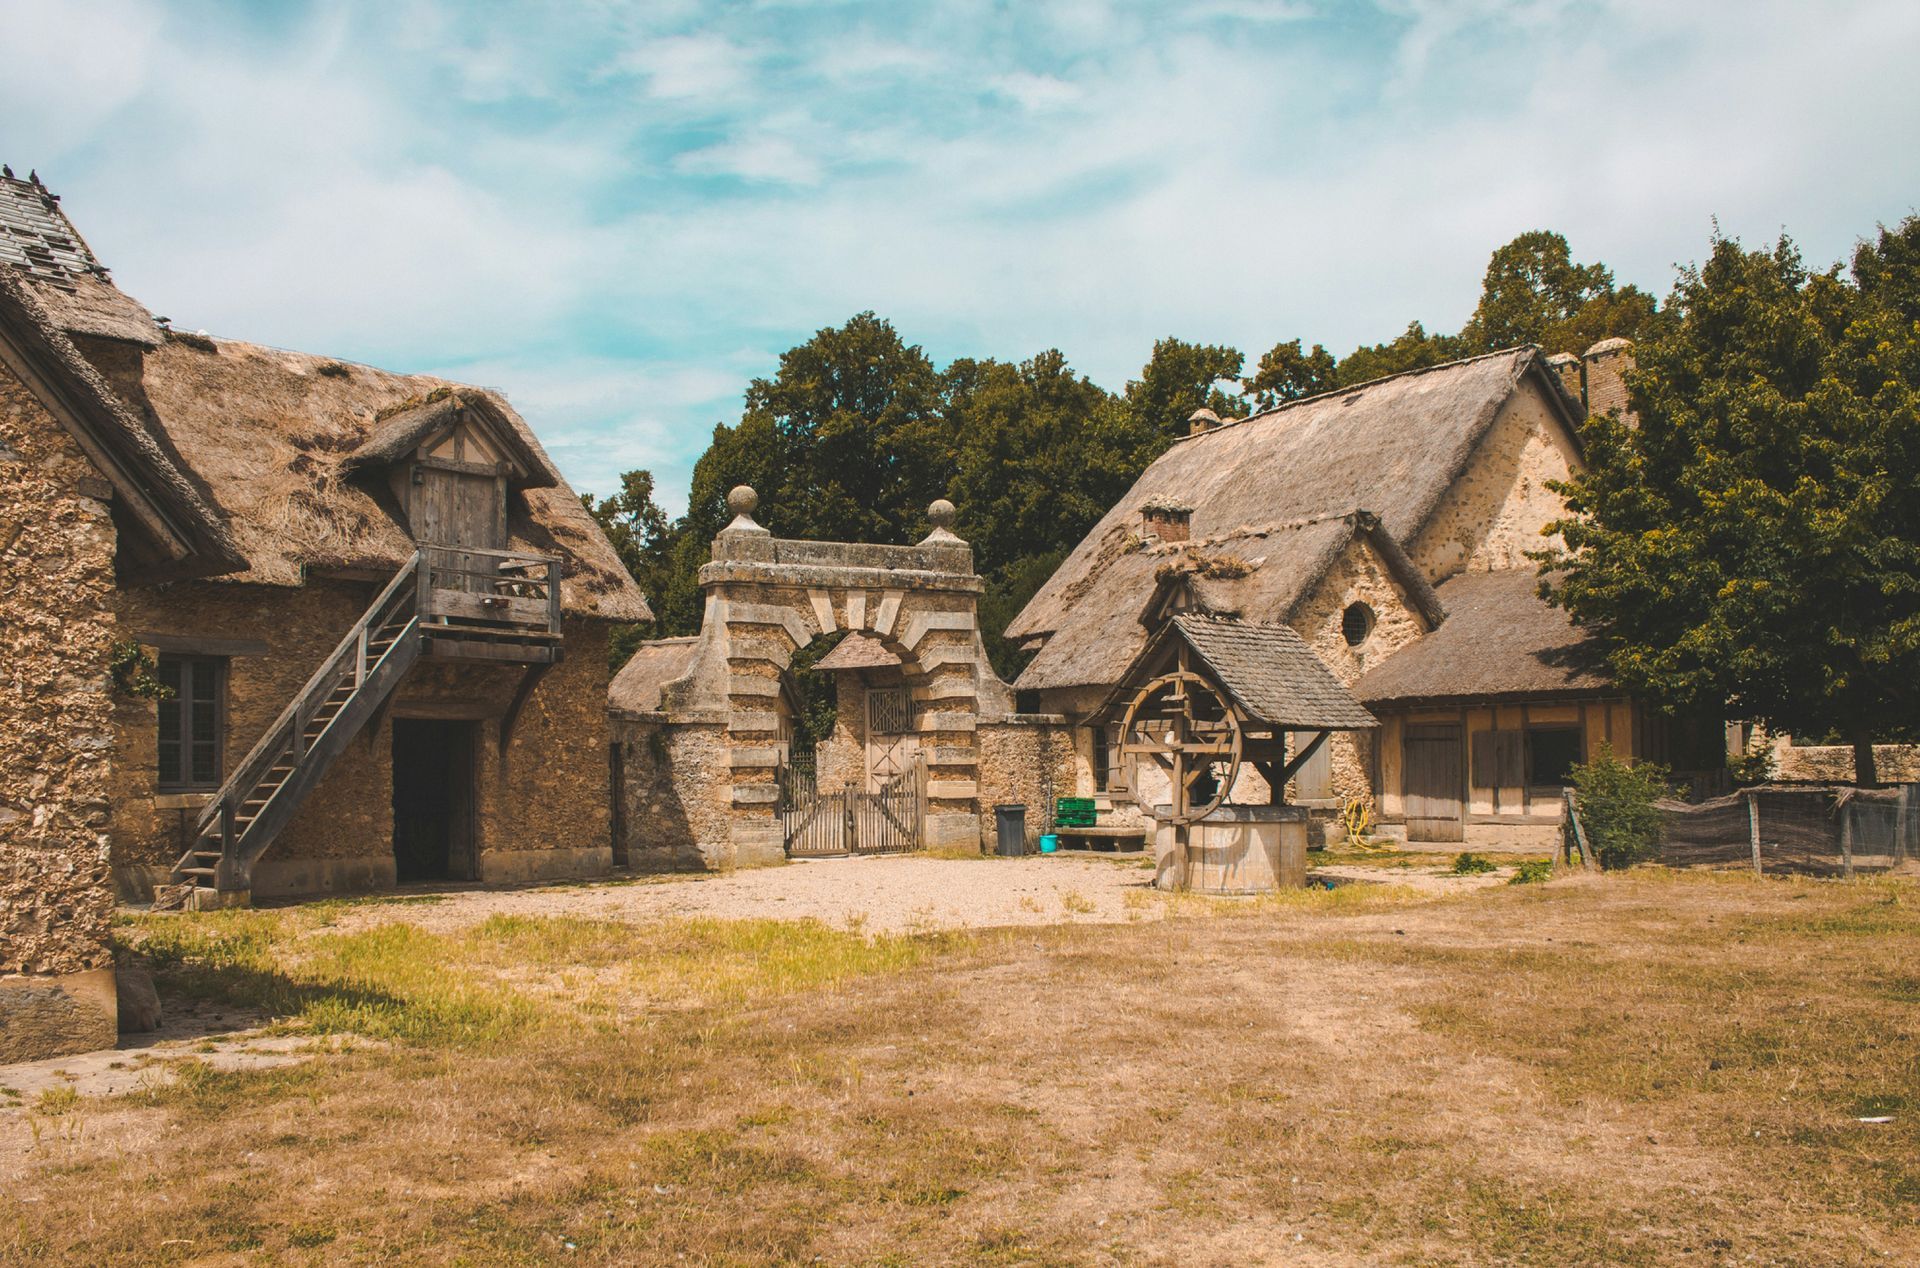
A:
767, 597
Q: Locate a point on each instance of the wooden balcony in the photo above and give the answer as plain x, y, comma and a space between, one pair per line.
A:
489, 604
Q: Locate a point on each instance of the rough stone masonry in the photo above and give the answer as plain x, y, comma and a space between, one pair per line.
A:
56, 636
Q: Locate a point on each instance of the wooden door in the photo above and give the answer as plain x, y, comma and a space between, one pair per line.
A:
459, 508
1434, 764
892, 744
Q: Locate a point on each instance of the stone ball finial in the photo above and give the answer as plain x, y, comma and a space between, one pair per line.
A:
941, 514
742, 500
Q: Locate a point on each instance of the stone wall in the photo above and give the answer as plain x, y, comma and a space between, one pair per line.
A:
546, 815
1024, 760
676, 804
1833, 763
57, 546
1493, 514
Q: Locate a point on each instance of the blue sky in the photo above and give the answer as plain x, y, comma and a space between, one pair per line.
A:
619, 214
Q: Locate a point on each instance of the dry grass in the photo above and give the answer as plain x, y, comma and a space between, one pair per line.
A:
1631, 1069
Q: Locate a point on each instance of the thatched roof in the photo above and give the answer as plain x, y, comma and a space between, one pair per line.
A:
858, 651
177, 534
636, 688
1394, 446
400, 431
40, 245
273, 437
1500, 639
1258, 573
1267, 669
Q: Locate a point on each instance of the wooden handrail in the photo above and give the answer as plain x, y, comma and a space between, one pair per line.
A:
247, 774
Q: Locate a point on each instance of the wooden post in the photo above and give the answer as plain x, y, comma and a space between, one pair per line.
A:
1753, 831
423, 584
1587, 859
1846, 838
553, 596
360, 656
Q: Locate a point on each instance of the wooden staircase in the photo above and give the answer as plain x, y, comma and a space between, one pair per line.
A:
263, 792
446, 603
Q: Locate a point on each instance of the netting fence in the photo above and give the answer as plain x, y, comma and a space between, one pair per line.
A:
1819, 831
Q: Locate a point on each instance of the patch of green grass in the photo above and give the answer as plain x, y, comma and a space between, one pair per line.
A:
1468, 863
1532, 872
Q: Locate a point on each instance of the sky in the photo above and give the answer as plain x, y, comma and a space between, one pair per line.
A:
620, 214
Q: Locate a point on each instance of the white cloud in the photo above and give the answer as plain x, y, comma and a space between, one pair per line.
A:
754, 158
687, 67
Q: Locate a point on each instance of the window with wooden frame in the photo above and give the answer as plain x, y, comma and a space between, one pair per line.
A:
193, 722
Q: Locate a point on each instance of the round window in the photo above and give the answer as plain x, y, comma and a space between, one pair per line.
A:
1356, 623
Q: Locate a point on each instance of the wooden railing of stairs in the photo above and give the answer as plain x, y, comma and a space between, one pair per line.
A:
267, 787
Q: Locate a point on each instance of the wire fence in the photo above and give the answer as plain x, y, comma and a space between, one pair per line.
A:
1817, 831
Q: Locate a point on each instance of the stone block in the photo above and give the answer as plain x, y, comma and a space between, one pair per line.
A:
57, 1015
756, 794
753, 758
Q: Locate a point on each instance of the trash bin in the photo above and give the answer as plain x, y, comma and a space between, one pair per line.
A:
1049, 842
1010, 822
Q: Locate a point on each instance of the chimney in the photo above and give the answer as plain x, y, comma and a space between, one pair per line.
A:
1200, 420
1565, 367
1168, 521
1606, 365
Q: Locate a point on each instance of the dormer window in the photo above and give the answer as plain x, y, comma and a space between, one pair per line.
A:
1167, 521
450, 460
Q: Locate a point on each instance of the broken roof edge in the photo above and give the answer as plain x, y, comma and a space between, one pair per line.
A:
178, 521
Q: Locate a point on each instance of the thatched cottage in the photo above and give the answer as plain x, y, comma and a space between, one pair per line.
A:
377, 651
1389, 524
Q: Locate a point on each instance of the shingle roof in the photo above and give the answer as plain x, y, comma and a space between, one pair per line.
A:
636, 688
41, 246
1272, 674
1269, 671
1500, 639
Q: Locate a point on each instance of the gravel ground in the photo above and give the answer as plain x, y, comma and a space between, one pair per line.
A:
891, 894
883, 894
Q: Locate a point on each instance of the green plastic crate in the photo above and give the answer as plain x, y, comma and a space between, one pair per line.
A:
1074, 812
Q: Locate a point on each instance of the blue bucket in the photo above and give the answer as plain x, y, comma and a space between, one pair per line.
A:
1049, 843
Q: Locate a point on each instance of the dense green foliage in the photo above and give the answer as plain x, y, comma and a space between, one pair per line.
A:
1615, 799
858, 431
1754, 541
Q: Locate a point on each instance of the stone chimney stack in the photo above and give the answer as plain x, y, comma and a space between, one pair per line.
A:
1168, 521
1606, 365
1566, 367
1200, 420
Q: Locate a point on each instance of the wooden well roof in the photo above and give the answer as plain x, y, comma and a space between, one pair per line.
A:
1267, 669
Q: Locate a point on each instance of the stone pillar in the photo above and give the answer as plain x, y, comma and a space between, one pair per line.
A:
1607, 363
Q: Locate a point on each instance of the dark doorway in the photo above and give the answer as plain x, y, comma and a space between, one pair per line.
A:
432, 800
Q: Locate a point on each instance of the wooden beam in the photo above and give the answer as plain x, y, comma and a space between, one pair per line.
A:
528, 681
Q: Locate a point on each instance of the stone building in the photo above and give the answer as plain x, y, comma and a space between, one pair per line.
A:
704, 726
390, 661
1389, 524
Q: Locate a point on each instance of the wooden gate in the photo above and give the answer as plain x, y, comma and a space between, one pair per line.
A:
1435, 773
820, 824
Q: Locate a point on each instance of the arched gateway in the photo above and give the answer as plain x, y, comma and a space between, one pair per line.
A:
702, 724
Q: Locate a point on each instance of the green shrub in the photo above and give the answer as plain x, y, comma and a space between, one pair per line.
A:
1471, 864
1754, 765
1617, 813
1532, 872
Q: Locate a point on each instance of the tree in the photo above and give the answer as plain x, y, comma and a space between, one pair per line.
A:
1754, 539
1178, 379
1533, 292
1415, 349
643, 538
1285, 373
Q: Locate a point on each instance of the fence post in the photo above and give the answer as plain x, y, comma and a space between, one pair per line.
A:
1846, 837
1587, 859
1906, 822
1753, 831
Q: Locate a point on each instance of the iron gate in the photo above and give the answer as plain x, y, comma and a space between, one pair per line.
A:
824, 824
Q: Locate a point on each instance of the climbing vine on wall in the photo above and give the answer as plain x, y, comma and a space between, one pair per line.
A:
135, 672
